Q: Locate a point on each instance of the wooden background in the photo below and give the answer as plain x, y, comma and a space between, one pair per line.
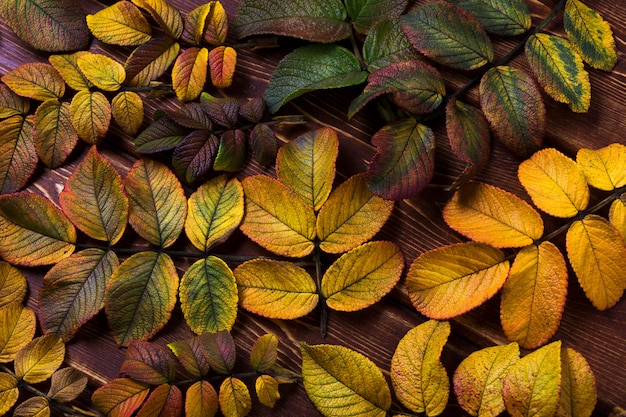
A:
416, 225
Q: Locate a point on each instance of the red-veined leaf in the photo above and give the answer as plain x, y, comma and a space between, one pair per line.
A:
166, 15
18, 157
36, 80
120, 397
9, 392
189, 73
502, 17
264, 352
164, 401
604, 168
17, 328
193, 157
55, 136
201, 400
234, 398
67, 384
190, 354
578, 386
222, 61
149, 363
150, 60
219, 350
120, 24
105, 73
91, 115
232, 152
67, 66
365, 13
39, 358
12, 104
13, 284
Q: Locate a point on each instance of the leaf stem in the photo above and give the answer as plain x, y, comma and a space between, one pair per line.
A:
318, 284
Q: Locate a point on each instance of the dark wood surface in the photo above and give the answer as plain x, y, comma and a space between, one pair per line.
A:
416, 225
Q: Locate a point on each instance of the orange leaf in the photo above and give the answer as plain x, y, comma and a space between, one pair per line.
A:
18, 157
452, 280
12, 284
35, 80
488, 214
165, 401
120, 397
17, 328
578, 386
128, 112
91, 115
39, 358
201, 400
67, 66
55, 136
533, 296
604, 168
222, 62
189, 73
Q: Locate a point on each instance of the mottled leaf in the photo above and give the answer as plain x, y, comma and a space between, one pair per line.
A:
36, 80
232, 152
351, 216
39, 358
194, 156
120, 397
555, 183
275, 289
234, 398
309, 68
150, 60
91, 115
419, 379
514, 108
502, 17
385, 44
405, 159
263, 144
164, 401
33, 231
67, 384
578, 386
161, 135
120, 24
67, 66
560, 70
365, 13
266, 388
264, 353
102, 71
342, 382
452, 280
604, 168
448, 35
54, 133
33, 407
12, 104
190, 355
222, 61
140, 296
9, 392
12, 284
201, 400
189, 73
18, 157
149, 363
17, 328
165, 15
596, 251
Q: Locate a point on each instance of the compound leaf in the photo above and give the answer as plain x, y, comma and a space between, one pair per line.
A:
201, 400
102, 71
120, 24
149, 363
578, 386
36, 80
365, 13
18, 156
164, 401
54, 133
120, 397
91, 115
603, 168
18, 325
234, 398
67, 384
189, 73
222, 61
502, 17
13, 284
39, 358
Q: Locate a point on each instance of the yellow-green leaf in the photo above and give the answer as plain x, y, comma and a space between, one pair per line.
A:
307, 165
617, 215
120, 24
264, 352
362, 276
342, 382
560, 70
275, 289
351, 216
12, 104
490, 215
67, 384
201, 400
590, 34
604, 168
128, 111
91, 115
102, 71
166, 15
208, 296
533, 296
9, 392
164, 401
216, 209
17, 328
18, 156
36, 80
67, 66
478, 379
531, 386
33, 407
555, 183
578, 386
120, 397
216, 25
191, 355
94, 199
597, 253
140, 296
234, 398
419, 379
189, 73
33, 231
150, 60
452, 280
222, 62
266, 388
55, 136
39, 359
276, 218
12, 284
157, 203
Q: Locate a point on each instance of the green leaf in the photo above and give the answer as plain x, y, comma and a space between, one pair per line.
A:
365, 13
18, 157
590, 34
232, 152
560, 70
309, 68
55, 136
342, 382
502, 17
405, 159
448, 35
264, 353
38, 359
60, 25
385, 44
67, 66
316, 21
102, 71
263, 144
72, 291
140, 296
149, 363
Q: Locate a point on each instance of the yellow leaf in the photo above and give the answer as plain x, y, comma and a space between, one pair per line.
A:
490, 215
216, 26
12, 284
351, 216
419, 379
128, 112
362, 276
307, 165
222, 63
195, 22
264, 353
167, 16
67, 66
201, 400
55, 136
597, 254
120, 24
275, 289
234, 398
36, 80
104, 72
17, 328
9, 392
452, 280
189, 73
39, 359
555, 183
604, 168
533, 296
578, 386
215, 210
143, 75
617, 215
478, 379
342, 382
91, 115
33, 407
266, 388
18, 156
276, 218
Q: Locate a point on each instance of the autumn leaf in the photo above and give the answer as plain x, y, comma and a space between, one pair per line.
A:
9, 392
555, 183
54, 133
222, 61
34, 406
266, 388
342, 382
165, 15
39, 358
102, 71
149, 363
190, 354
195, 23
491, 215
452, 280
161, 135
164, 401
120, 24
91, 114
120, 397
478, 379
351, 216
18, 156
364, 14
12, 104
603, 168
275, 289
263, 144
216, 27
36, 80
13, 284
201, 400
385, 44
150, 60
33, 231
72, 291
190, 115
219, 350
222, 110
17, 329
194, 156
533, 297
67, 384
67, 66
597, 254
264, 352
507, 18
232, 152
419, 379
617, 215
578, 386
189, 73
234, 398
